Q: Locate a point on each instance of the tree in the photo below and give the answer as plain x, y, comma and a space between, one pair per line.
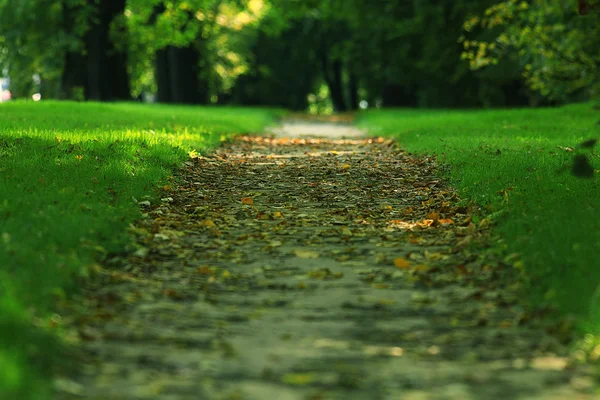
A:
96, 65
558, 52
67, 44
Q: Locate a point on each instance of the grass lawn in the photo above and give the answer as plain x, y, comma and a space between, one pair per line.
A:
510, 160
69, 174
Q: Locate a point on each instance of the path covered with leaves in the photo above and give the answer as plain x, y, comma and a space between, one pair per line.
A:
312, 268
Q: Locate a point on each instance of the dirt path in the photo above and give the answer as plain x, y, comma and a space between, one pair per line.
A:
312, 269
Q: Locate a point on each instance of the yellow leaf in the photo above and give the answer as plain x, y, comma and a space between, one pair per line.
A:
380, 286
401, 263
346, 166
277, 214
208, 223
433, 256
247, 200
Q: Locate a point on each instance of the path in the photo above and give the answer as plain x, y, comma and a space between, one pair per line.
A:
311, 269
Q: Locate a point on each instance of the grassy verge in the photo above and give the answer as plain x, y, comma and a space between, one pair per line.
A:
514, 160
69, 174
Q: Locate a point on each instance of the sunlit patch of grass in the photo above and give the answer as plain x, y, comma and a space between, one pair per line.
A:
515, 160
69, 174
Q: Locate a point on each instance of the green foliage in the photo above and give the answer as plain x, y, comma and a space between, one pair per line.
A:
515, 161
558, 50
399, 53
221, 30
69, 175
31, 41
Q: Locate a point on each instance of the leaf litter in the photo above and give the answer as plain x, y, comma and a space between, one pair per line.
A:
314, 268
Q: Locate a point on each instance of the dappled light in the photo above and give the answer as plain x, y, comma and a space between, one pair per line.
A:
299, 200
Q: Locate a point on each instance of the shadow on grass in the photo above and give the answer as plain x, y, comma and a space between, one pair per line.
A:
70, 176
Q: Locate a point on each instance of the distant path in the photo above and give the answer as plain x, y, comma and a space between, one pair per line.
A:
303, 268
311, 129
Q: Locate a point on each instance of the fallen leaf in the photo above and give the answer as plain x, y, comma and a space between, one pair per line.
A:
247, 200
204, 270
380, 286
506, 324
567, 149
299, 379
433, 215
433, 256
306, 254
208, 223
401, 263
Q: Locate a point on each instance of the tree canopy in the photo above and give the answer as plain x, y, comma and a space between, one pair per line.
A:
295, 53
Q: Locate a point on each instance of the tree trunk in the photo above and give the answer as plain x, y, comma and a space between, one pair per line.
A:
162, 76
395, 95
101, 70
74, 75
353, 87
177, 72
184, 71
107, 67
177, 76
332, 72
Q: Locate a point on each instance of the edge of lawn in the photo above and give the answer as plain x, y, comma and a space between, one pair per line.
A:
77, 175
515, 165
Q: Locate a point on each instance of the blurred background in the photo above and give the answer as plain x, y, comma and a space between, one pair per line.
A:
319, 56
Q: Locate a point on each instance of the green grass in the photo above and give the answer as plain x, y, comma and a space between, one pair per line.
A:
69, 173
509, 160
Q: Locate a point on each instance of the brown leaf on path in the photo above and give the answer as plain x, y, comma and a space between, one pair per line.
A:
204, 270
426, 223
329, 260
433, 215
